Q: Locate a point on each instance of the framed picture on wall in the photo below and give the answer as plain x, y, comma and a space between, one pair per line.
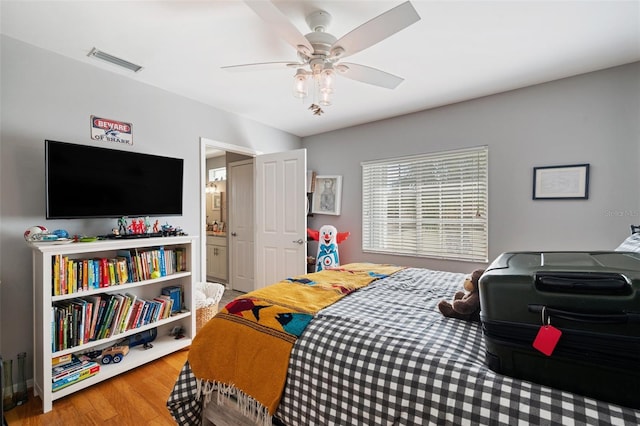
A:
327, 195
217, 200
561, 182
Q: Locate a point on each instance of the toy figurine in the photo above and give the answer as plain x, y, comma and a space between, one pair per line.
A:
122, 226
131, 229
328, 238
168, 230
156, 226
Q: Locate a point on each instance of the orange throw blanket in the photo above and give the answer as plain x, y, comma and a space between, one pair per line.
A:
244, 350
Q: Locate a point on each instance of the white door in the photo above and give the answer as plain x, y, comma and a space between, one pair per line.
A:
241, 229
281, 216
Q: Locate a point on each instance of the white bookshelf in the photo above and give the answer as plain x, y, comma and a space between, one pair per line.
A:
164, 344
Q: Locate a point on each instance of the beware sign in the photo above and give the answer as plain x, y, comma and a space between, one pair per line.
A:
107, 130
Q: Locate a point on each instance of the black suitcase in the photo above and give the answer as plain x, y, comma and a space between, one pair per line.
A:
593, 298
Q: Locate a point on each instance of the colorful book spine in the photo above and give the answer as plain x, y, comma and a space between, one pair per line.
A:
61, 360
175, 293
104, 273
55, 275
91, 369
63, 275
161, 260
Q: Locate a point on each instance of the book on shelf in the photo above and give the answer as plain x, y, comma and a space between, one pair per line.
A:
157, 310
60, 370
61, 360
55, 274
71, 322
100, 318
122, 310
82, 318
175, 293
112, 272
126, 255
126, 316
90, 369
117, 312
160, 266
95, 302
135, 314
70, 275
166, 313
110, 309
165, 306
104, 272
144, 314
181, 259
84, 268
78, 321
150, 312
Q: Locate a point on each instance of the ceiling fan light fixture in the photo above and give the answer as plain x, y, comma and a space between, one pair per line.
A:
327, 79
325, 98
300, 86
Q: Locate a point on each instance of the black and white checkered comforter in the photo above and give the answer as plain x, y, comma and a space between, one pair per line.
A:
384, 355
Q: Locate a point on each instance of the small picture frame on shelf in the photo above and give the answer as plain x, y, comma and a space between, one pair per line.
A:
327, 195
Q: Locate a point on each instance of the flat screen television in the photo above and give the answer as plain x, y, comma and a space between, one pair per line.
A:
85, 181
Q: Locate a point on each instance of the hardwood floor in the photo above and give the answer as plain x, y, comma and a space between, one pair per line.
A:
137, 397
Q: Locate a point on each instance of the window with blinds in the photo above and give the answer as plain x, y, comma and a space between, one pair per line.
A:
432, 205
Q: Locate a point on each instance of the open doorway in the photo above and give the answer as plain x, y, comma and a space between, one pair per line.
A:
217, 205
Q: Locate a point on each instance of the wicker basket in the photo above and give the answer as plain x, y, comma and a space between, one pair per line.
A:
207, 297
203, 315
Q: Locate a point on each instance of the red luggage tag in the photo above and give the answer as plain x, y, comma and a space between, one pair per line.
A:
547, 337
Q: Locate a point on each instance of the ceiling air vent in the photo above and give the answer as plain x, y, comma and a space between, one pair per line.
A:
114, 60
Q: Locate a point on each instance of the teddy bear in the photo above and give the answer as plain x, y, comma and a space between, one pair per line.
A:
465, 306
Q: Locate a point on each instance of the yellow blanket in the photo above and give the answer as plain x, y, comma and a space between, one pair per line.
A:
244, 350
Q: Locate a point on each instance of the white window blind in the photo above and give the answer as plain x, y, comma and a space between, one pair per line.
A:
431, 205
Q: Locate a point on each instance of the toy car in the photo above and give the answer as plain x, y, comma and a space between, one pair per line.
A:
112, 354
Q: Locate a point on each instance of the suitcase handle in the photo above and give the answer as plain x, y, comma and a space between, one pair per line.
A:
583, 283
617, 318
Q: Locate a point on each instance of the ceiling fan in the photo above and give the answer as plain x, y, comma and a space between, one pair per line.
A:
320, 54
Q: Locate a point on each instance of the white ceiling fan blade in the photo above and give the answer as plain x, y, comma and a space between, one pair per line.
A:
376, 30
280, 24
261, 66
369, 75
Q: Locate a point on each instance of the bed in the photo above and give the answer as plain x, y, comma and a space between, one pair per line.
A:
384, 355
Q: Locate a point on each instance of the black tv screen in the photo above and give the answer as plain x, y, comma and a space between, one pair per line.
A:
85, 181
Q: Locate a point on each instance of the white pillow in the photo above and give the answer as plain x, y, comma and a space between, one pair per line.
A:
632, 243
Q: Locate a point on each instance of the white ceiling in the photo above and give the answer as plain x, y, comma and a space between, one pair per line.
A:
459, 50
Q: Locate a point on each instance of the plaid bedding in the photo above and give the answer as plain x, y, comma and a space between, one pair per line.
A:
631, 243
384, 355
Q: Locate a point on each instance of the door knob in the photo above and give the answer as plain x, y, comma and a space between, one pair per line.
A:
299, 241
233, 234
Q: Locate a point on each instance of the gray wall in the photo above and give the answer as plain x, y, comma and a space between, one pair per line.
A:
592, 118
47, 96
